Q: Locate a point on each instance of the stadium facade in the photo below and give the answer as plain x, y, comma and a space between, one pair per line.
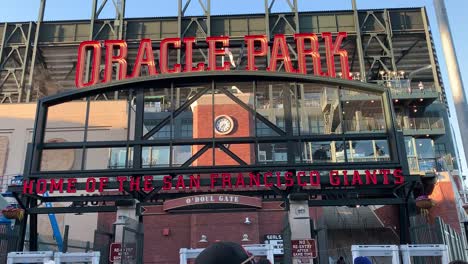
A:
166, 134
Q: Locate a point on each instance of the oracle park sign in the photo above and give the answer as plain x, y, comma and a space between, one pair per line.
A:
257, 46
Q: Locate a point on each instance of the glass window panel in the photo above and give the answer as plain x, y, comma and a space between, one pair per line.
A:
61, 159
108, 158
318, 152
245, 152
425, 148
272, 99
65, 116
382, 150
108, 119
155, 156
157, 112
318, 109
362, 112
361, 151
231, 118
272, 153
180, 154
195, 120
409, 146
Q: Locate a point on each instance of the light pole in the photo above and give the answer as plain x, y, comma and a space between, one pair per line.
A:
456, 83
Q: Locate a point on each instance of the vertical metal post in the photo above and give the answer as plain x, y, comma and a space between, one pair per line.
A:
33, 246
40, 18
25, 62
208, 17
389, 33
296, 15
404, 224
362, 65
3, 42
456, 83
267, 28
179, 30
139, 119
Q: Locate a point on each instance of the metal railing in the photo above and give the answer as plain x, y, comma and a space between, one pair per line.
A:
405, 86
364, 125
428, 123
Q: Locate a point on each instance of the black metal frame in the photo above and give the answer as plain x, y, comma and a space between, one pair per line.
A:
375, 195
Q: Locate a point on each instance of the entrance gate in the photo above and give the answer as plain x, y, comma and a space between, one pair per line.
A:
240, 133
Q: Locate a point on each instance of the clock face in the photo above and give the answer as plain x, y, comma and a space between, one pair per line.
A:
223, 125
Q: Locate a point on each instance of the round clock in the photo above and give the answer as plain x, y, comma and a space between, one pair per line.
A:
223, 125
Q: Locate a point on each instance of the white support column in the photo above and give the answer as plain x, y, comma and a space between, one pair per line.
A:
299, 221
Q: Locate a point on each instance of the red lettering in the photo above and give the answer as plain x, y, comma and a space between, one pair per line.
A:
195, 182
314, 178
299, 175
345, 178
251, 53
226, 180
102, 183
385, 176
332, 50
167, 183
371, 178
278, 179
95, 46
213, 178
398, 174
240, 180
254, 179
71, 188
313, 52
164, 54
28, 186
189, 56
41, 186
56, 185
334, 178
213, 52
121, 59
90, 185
288, 176
148, 183
180, 182
144, 57
280, 52
121, 180
356, 178
267, 175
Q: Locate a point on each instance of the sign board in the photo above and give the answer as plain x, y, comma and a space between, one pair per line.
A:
212, 199
304, 249
277, 241
116, 253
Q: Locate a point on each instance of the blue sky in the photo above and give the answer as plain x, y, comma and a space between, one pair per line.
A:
27, 10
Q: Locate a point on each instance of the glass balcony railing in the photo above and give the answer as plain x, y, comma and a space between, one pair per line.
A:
430, 165
365, 125
422, 123
405, 87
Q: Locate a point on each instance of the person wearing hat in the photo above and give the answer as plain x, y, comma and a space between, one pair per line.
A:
224, 253
362, 260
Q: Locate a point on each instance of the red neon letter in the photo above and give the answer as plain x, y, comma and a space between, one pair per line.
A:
385, 176
121, 59
71, 188
167, 183
121, 180
314, 178
102, 183
163, 55
81, 63
313, 52
398, 174
41, 186
90, 184
300, 174
267, 175
144, 57
251, 53
213, 52
147, 183
334, 49
288, 176
28, 186
280, 46
334, 178
56, 185
189, 56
